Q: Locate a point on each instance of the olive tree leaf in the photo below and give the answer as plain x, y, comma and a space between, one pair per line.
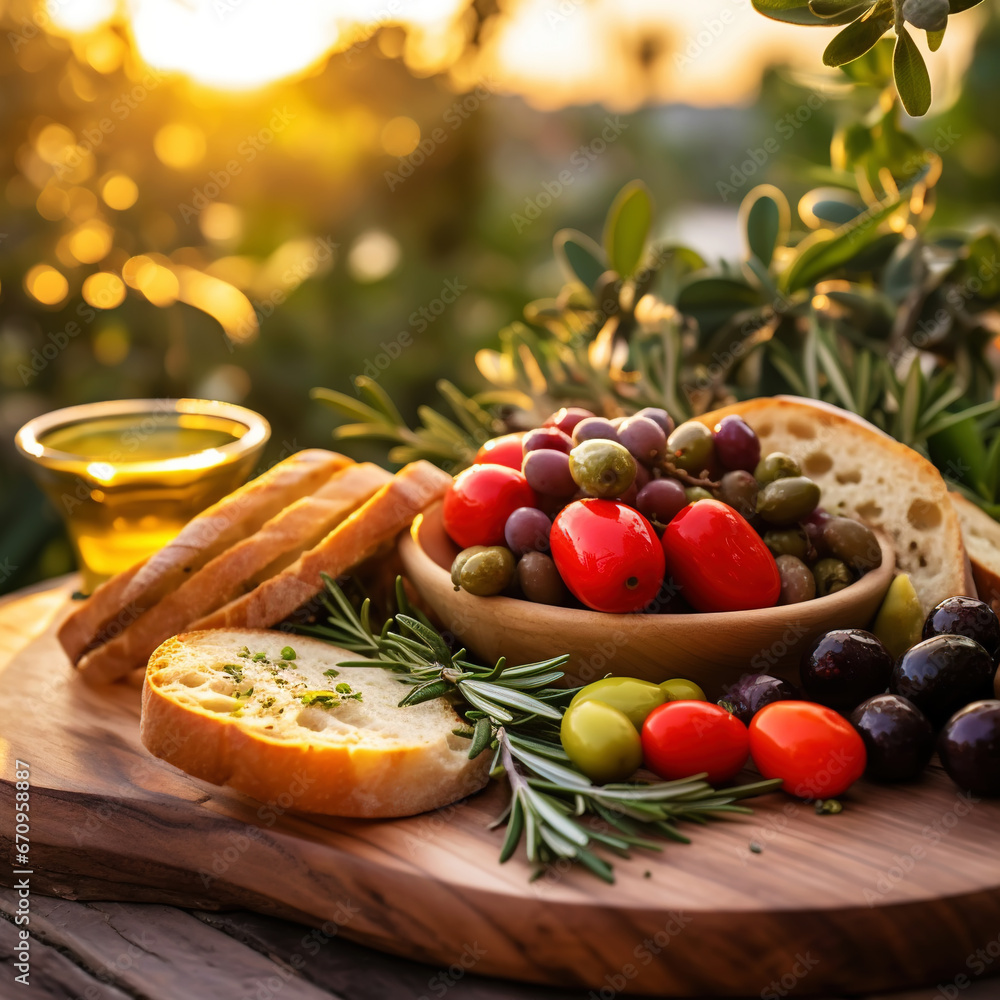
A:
823, 251
791, 12
934, 39
776, 6
712, 301
957, 6
627, 227
580, 256
857, 38
874, 68
929, 15
765, 216
910, 73
833, 211
831, 8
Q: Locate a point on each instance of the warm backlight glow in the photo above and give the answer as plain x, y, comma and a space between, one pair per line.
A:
234, 44
80, 15
247, 44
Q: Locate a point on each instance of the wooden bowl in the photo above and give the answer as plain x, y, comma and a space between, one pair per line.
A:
712, 649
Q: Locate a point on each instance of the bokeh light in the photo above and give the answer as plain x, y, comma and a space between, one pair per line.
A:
119, 191
151, 277
104, 290
104, 51
373, 256
400, 136
46, 285
221, 222
91, 241
52, 203
179, 145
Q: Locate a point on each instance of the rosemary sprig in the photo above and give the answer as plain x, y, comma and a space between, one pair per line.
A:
515, 711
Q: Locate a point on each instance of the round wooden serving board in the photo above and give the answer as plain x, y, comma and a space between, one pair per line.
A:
901, 889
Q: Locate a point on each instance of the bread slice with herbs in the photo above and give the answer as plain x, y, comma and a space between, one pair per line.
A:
237, 570
865, 474
368, 530
274, 716
121, 600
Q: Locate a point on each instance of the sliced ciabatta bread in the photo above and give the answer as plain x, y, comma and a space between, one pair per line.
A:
103, 612
118, 602
981, 535
371, 527
865, 474
236, 570
235, 707
232, 518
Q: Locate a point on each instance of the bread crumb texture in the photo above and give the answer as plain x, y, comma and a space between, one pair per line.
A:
287, 688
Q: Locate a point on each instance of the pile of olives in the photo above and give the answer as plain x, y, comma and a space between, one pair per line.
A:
645, 462
939, 693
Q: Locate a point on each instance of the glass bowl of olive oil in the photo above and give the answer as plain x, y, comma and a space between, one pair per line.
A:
126, 475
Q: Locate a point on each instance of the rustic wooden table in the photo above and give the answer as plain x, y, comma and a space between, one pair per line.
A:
115, 951
110, 951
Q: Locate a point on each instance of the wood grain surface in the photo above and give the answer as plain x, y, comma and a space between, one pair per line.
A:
712, 649
901, 889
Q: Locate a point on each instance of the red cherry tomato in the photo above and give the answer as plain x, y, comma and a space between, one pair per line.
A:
816, 752
608, 555
718, 560
480, 500
682, 738
504, 450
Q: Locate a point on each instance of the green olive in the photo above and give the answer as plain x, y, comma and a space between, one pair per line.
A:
900, 621
602, 468
831, 575
679, 689
739, 489
695, 493
601, 741
690, 446
785, 501
777, 465
787, 541
853, 542
797, 581
539, 579
487, 572
630, 695
460, 561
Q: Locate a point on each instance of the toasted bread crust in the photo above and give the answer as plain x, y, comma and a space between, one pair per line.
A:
982, 540
79, 631
367, 781
921, 521
373, 525
230, 573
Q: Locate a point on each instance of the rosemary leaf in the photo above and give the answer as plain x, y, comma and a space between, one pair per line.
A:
516, 711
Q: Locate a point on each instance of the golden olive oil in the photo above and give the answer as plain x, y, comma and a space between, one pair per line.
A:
127, 483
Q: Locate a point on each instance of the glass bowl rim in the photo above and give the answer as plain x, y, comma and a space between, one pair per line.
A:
28, 443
